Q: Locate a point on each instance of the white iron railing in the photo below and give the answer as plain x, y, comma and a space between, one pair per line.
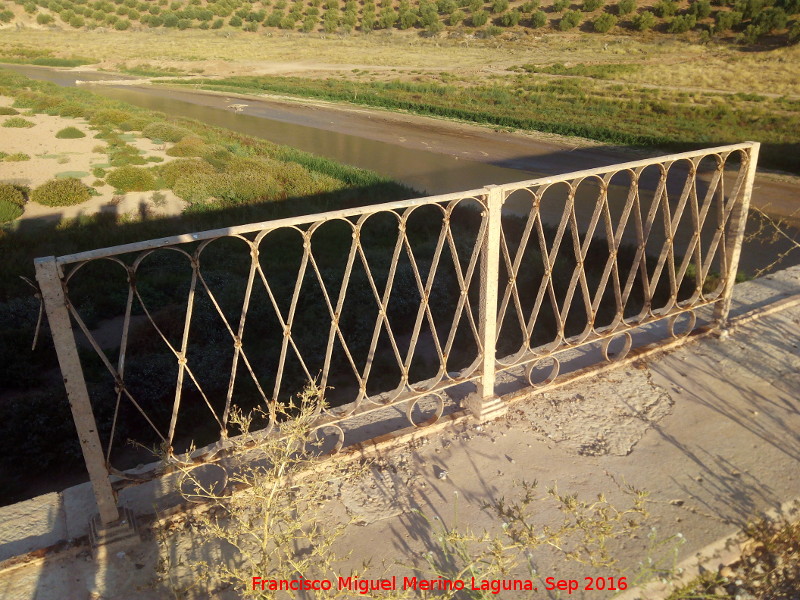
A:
394, 304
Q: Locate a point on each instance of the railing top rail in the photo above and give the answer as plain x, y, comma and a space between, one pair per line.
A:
617, 167
262, 226
374, 208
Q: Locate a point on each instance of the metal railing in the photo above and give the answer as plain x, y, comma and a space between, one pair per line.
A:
392, 304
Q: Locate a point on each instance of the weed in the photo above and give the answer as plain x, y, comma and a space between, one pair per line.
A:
272, 520
70, 133
61, 192
16, 157
131, 179
18, 122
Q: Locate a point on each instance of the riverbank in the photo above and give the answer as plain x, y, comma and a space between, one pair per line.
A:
542, 154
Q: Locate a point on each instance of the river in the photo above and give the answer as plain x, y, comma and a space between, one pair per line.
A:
391, 144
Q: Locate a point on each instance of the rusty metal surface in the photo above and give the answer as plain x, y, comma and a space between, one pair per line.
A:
529, 270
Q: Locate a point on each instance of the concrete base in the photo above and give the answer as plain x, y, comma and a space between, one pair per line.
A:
485, 409
114, 537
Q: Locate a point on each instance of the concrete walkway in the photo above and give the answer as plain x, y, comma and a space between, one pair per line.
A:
711, 430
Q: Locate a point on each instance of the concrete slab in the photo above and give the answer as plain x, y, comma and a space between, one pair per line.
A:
32, 524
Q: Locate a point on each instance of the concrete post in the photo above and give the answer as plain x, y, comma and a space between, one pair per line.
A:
55, 304
733, 241
485, 405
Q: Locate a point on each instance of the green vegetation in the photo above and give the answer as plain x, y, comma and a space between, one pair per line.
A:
146, 70
570, 20
632, 115
607, 71
70, 133
7, 110
12, 201
19, 54
132, 179
644, 21
16, 157
604, 23
66, 191
163, 131
18, 122
9, 211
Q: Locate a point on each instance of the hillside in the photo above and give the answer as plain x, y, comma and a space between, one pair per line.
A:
766, 22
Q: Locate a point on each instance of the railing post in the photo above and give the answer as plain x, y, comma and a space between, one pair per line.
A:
55, 304
733, 241
485, 405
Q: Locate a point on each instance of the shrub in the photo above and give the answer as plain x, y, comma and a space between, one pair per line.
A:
725, 20
682, 24
700, 9
626, 7
18, 122
560, 5
71, 109
665, 8
7, 110
538, 19
456, 17
12, 194
794, 33
644, 21
191, 145
479, 18
529, 6
44, 19
166, 132
109, 116
591, 5
131, 179
499, 6
135, 123
570, 20
172, 171
17, 157
604, 23
770, 19
70, 133
510, 19
9, 211
239, 187
408, 18
61, 192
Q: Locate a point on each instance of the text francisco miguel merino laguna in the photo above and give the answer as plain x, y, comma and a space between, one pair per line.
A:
365, 586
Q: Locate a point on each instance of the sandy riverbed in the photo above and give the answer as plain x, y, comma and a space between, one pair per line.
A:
52, 157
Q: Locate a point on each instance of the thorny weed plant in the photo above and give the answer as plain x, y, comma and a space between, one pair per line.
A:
269, 520
773, 230
583, 533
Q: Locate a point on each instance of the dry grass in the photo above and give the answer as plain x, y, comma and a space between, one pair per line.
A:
690, 66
